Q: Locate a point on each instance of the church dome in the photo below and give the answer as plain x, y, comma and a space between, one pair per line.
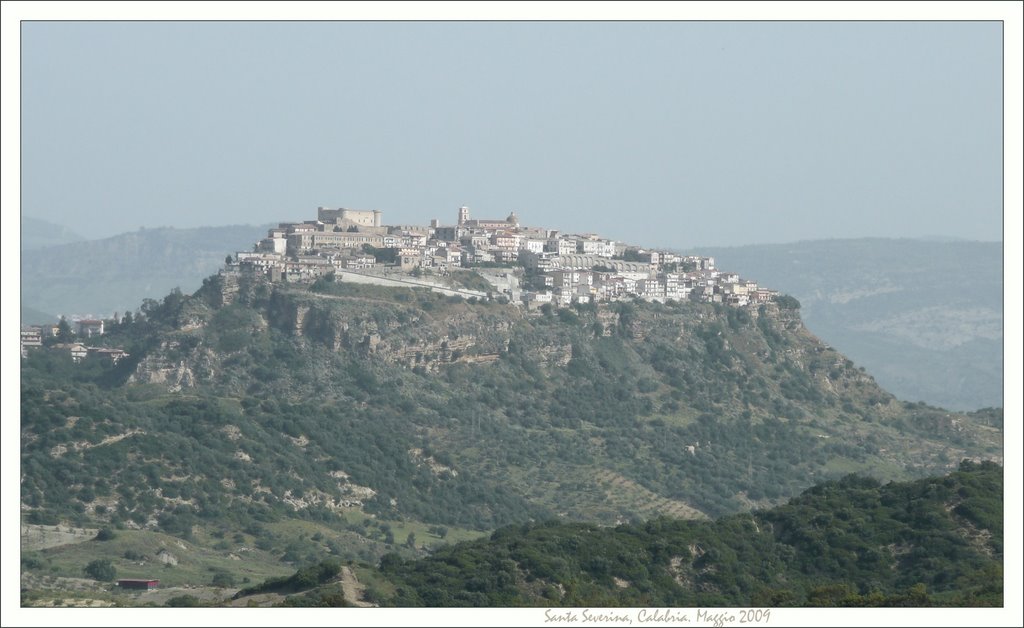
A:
512, 218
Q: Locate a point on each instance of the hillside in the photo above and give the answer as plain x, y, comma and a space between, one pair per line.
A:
30, 316
925, 318
402, 403
37, 234
852, 542
116, 274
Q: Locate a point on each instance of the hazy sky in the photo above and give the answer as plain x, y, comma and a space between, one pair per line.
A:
669, 133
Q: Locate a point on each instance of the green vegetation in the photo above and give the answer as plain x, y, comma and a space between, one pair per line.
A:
105, 534
349, 421
154, 554
787, 302
924, 318
630, 255
101, 570
184, 601
471, 280
382, 255
331, 597
887, 304
852, 542
303, 579
709, 408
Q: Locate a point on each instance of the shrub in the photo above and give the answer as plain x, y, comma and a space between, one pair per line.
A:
184, 601
105, 534
787, 302
101, 570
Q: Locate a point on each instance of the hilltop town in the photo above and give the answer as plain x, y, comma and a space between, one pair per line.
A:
476, 258
528, 266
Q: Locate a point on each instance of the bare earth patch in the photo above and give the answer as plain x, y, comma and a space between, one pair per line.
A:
352, 588
37, 537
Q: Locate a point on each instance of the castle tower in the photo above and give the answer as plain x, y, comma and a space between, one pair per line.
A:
377, 215
463, 215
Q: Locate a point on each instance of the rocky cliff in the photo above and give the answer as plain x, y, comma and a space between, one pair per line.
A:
602, 413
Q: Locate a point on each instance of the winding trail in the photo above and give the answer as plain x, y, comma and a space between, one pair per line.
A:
353, 589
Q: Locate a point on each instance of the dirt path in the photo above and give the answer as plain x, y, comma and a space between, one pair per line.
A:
261, 600
353, 588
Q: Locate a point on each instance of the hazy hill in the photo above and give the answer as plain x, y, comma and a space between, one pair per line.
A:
924, 317
32, 316
37, 234
100, 277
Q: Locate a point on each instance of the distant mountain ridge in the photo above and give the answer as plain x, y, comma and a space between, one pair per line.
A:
37, 234
32, 316
924, 317
100, 277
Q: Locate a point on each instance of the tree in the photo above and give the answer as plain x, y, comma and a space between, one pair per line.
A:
105, 534
410, 541
64, 333
787, 302
383, 256
227, 260
101, 570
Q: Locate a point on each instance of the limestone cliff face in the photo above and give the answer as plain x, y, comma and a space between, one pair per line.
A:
421, 335
426, 335
174, 368
396, 333
597, 412
429, 333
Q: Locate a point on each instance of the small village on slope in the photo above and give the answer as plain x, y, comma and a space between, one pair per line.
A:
476, 258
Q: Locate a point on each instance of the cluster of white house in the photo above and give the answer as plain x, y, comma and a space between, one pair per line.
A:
558, 268
565, 286
32, 338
